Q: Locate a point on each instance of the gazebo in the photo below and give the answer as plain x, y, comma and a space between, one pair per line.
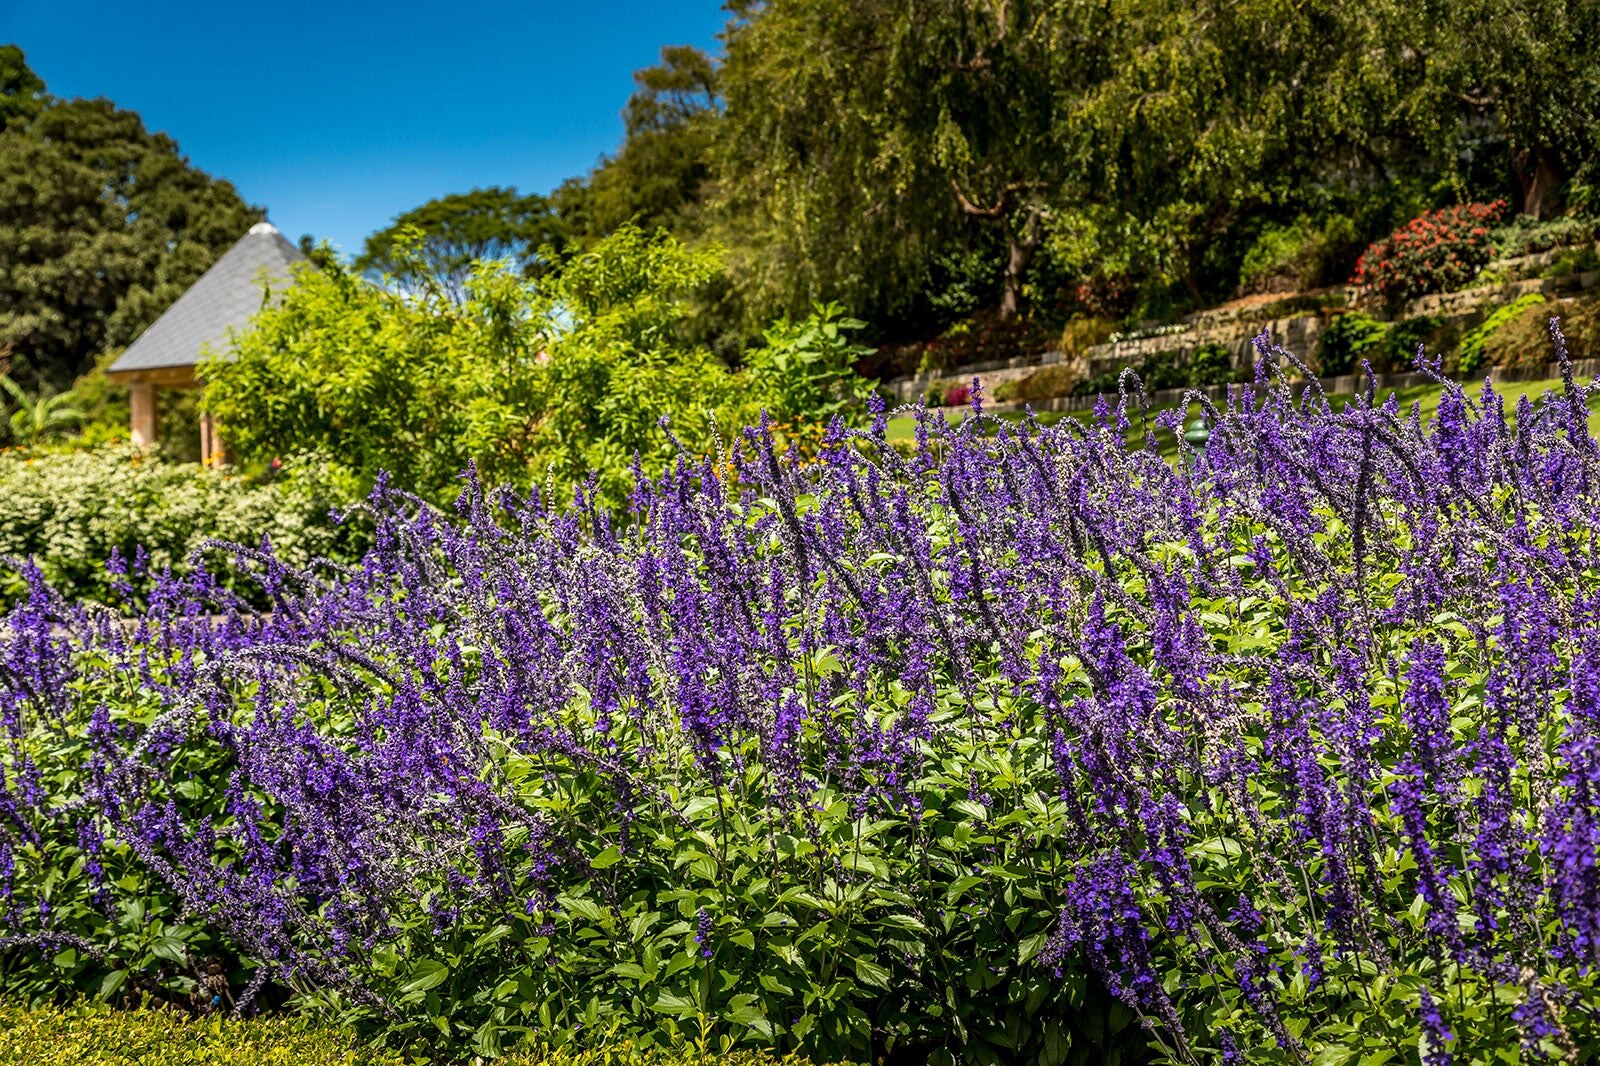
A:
164, 357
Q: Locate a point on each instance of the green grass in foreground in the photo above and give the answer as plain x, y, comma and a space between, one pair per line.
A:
904, 427
96, 1035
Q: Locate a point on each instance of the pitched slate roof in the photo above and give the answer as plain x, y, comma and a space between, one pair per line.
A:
224, 297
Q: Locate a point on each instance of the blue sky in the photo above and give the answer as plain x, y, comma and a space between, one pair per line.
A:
339, 115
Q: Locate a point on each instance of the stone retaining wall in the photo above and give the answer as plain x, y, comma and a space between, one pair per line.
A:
1235, 329
1346, 385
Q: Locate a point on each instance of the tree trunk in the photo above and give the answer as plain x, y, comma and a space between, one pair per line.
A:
1021, 246
1538, 175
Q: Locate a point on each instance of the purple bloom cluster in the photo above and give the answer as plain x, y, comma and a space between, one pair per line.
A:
1318, 704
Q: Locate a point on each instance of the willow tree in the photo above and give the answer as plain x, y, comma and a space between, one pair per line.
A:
863, 137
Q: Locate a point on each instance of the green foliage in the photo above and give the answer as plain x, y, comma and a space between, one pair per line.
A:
1525, 235
1046, 383
104, 403
806, 369
1273, 257
1347, 339
71, 510
39, 417
102, 225
1404, 338
1296, 256
1470, 355
533, 381
863, 144
89, 1034
417, 386
655, 179
813, 939
1209, 364
441, 242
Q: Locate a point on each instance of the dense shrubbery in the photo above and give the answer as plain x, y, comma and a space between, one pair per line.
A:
1292, 752
1527, 236
73, 511
89, 1037
86, 1036
1209, 364
1436, 252
1354, 338
533, 381
1470, 357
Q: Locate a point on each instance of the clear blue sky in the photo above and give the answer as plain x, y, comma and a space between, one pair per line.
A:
338, 115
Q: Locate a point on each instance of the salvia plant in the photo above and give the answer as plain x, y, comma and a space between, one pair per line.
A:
1028, 746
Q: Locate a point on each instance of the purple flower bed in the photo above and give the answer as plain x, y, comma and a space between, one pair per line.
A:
1025, 747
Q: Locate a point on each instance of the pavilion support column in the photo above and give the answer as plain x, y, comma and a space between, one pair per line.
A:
213, 452
142, 400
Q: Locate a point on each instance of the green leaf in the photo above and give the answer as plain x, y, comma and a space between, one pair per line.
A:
425, 975
1031, 946
672, 1003
871, 973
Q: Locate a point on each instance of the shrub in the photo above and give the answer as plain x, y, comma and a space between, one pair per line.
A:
1521, 343
1440, 251
806, 369
1573, 261
1526, 235
1406, 337
1347, 339
1208, 364
957, 395
532, 382
1030, 748
1470, 357
1350, 338
86, 1035
1084, 332
1046, 383
73, 511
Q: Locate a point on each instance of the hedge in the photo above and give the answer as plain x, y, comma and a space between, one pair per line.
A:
94, 1035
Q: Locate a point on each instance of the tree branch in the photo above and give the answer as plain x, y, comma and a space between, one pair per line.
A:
1001, 205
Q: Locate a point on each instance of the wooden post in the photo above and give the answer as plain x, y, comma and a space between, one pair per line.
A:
142, 400
213, 452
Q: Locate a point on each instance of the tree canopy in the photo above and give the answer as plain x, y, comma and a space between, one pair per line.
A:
657, 176
102, 225
911, 158
442, 240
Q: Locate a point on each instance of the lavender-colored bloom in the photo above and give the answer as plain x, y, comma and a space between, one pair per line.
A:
1348, 661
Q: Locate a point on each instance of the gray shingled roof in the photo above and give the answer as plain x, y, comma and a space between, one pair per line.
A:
225, 297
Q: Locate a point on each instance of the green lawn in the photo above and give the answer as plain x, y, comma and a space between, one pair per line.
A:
904, 427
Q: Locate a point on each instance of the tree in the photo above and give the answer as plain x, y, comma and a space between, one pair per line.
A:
442, 240
658, 174
814, 198
1527, 66
21, 90
865, 141
102, 225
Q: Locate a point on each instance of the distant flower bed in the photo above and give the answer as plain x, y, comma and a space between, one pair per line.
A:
1437, 252
1024, 746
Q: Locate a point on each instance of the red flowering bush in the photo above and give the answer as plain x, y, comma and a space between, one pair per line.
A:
1436, 252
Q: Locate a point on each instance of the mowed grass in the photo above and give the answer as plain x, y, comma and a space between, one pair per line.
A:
1426, 396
